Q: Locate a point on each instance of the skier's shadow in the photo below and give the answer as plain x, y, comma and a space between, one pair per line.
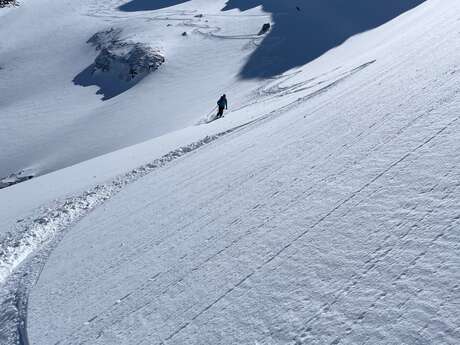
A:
306, 29
148, 5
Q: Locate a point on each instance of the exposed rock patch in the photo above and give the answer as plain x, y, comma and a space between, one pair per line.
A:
120, 64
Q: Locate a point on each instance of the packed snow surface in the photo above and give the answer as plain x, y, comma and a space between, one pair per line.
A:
323, 209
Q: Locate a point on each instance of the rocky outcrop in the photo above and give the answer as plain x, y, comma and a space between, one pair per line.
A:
119, 65
128, 59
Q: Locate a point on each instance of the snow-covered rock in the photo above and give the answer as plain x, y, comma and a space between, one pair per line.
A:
23, 175
5, 3
119, 65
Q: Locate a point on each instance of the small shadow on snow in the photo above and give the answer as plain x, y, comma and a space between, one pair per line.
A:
109, 85
304, 30
148, 5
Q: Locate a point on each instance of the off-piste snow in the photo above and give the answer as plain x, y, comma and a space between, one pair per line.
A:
323, 208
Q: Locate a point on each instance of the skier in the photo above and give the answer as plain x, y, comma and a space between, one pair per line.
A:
222, 104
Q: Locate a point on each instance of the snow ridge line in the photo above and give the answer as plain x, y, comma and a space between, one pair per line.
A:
35, 232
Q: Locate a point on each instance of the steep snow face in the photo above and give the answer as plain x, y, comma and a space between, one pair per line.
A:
54, 113
331, 217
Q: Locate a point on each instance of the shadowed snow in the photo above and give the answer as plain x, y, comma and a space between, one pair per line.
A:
306, 29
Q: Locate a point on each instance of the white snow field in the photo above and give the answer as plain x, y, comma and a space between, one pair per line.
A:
323, 209
47, 122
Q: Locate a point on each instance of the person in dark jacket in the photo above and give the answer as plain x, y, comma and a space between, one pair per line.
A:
222, 104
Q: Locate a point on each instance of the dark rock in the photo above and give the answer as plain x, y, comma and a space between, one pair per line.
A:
265, 28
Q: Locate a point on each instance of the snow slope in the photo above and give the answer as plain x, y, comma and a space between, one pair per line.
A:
47, 122
323, 210
333, 221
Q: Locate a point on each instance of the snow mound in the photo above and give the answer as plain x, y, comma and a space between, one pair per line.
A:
120, 64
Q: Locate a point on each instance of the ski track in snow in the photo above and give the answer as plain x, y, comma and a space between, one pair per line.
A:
33, 238
31, 234
37, 233
391, 246
386, 248
18, 244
